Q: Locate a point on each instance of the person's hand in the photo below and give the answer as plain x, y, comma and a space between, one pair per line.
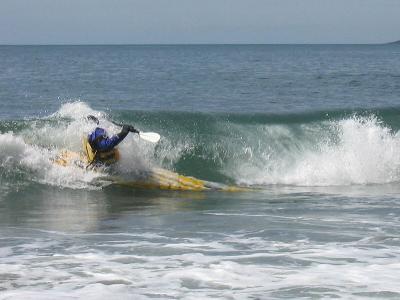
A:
132, 129
93, 119
129, 128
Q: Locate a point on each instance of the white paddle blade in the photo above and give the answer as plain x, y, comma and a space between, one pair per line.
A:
151, 137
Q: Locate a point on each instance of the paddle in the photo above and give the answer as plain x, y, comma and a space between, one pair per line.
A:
151, 137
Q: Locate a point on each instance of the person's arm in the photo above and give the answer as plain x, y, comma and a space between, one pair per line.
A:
109, 143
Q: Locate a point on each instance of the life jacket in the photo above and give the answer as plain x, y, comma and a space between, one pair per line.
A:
94, 156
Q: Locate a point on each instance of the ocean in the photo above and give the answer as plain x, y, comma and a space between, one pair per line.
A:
312, 132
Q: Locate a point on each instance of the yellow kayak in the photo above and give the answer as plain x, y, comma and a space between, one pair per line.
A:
155, 178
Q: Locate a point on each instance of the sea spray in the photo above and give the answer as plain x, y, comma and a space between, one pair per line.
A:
30, 163
355, 150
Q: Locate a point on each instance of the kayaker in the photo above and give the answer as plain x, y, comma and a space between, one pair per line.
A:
100, 147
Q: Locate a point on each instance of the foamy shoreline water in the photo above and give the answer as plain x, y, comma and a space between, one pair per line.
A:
215, 247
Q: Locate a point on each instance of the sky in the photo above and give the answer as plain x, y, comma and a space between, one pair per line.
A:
198, 21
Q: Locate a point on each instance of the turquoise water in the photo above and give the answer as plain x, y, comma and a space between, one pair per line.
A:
313, 130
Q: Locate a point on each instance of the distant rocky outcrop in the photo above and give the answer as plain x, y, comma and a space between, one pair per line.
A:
395, 43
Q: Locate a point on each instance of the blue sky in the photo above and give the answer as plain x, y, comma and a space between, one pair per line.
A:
200, 21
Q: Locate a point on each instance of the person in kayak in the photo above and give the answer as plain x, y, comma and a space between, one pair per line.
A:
100, 148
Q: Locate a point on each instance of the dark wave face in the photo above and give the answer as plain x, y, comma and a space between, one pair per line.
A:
309, 149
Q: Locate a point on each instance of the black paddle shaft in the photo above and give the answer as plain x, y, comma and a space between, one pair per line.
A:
96, 120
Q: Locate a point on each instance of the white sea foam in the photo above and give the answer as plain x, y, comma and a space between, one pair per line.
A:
196, 269
76, 110
35, 162
351, 151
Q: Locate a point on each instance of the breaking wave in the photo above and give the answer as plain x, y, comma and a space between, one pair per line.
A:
310, 149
